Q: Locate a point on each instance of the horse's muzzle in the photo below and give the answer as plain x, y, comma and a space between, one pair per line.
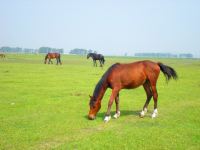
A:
91, 117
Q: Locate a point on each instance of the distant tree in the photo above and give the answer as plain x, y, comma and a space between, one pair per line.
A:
78, 51
11, 49
49, 50
60, 51
90, 51
159, 55
186, 55
6, 49
29, 50
44, 50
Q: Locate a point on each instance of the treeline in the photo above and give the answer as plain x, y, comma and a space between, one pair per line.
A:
164, 55
7, 49
79, 51
76, 51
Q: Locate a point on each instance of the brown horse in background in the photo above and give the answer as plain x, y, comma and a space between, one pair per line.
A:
50, 56
129, 76
2, 55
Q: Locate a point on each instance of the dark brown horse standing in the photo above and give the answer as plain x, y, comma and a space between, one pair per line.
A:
129, 76
96, 57
50, 56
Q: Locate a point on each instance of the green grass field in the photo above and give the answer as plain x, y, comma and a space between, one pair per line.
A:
46, 106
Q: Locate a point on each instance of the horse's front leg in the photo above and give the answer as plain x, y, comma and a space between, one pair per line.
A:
117, 113
93, 62
112, 97
100, 63
57, 61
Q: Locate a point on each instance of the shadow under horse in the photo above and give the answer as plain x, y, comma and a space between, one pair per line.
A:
50, 56
129, 76
96, 57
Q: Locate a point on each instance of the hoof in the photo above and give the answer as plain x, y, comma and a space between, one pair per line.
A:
107, 118
116, 115
141, 114
155, 114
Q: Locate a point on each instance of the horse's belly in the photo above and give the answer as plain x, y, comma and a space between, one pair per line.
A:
133, 85
133, 82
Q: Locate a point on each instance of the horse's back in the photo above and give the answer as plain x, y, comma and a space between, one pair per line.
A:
53, 55
131, 75
151, 69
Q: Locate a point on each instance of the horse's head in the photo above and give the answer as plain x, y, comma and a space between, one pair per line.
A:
45, 60
95, 106
88, 55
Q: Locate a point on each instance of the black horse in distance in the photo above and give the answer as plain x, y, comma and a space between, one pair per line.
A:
95, 57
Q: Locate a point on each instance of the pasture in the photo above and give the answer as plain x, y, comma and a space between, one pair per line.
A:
46, 106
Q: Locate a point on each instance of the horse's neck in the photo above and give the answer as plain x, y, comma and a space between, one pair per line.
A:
92, 56
100, 92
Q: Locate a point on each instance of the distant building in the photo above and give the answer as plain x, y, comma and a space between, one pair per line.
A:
157, 55
185, 55
164, 55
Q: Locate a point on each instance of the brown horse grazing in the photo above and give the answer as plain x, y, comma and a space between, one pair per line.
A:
2, 55
129, 76
50, 56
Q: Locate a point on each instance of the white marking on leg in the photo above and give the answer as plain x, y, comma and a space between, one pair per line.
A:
155, 113
143, 112
107, 118
116, 115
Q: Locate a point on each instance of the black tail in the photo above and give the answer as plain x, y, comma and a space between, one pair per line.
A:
168, 72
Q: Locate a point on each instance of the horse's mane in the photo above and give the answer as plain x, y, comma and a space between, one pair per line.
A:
101, 83
91, 54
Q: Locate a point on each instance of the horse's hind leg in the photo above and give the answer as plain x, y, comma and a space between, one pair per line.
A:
117, 113
147, 89
155, 98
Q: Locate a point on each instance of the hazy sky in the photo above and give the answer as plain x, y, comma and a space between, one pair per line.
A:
108, 26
